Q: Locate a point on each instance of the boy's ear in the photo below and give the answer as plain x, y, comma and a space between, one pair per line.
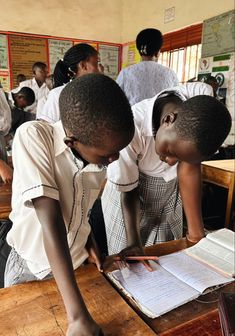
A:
69, 141
169, 118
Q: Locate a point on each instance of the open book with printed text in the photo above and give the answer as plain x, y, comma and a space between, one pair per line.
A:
179, 277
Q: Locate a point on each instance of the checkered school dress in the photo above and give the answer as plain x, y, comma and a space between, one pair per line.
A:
161, 213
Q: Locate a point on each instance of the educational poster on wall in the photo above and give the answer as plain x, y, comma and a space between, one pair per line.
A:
218, 35
3, 52
94, 45
25, 51
57, 49
130, 55
217, 66
5, 80
109, 57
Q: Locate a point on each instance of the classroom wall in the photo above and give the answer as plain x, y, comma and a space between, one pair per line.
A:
103, 20
138, 15
90, 19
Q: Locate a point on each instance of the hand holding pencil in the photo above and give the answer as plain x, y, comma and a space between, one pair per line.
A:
134, 254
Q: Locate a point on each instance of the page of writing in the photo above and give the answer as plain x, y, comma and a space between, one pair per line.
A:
158, 291
224, 237
192, 272
213, 254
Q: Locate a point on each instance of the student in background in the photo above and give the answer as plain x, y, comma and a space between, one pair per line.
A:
147, 78
37, 84
5, 125
20, 78
50, 84
50, 232
79, 60
142, 198
18, 102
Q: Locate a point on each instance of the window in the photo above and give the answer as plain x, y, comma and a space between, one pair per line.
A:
181, 51
184, 61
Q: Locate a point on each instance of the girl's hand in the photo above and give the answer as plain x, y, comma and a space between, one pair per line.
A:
134, 250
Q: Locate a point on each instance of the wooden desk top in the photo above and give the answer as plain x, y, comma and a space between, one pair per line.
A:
228, 165
198, 317
36, 308
5, 200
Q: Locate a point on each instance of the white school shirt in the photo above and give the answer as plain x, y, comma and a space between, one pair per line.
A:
51, 111
230, 102
145, 79
5, 114
45, 166
39, 92
140, 154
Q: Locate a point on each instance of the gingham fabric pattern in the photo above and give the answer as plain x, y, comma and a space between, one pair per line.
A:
161, 213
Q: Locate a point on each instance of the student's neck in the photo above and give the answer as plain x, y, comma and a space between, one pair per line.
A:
39, 82
147, 58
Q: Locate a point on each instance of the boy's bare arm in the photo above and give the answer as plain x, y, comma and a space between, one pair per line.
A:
189, 177
55, 242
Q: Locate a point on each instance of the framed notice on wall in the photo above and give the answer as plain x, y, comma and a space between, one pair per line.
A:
57, 49
109, 56
3, 52
25, 51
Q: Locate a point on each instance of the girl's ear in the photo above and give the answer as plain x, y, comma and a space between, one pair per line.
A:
169, 118
82, 65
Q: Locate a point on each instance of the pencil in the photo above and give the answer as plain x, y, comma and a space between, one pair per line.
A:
137, 258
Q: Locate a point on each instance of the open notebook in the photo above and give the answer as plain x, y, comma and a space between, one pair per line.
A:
177, 278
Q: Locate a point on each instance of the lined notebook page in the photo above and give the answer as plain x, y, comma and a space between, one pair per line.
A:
215, 255
155, 292
223, 237
192, 272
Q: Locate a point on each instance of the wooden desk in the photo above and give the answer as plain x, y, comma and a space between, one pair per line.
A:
36, 308
5, 200
222, 173
198, 317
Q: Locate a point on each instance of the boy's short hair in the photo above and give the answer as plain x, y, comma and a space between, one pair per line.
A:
39, 65
204, 121
149, 41
93, 105
28, 94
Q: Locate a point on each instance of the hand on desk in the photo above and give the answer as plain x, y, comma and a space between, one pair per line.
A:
133, 250
82, 328
6, 172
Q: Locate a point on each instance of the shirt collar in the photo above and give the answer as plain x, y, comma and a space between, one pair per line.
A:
36, 84
60, 147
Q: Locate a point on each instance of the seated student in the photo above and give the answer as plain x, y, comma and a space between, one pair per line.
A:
37, 84
50, 205
147, 78
20, 78
79, 60
142, 198
23, 98
5, 124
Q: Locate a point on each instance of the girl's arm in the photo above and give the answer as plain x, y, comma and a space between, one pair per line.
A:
189, 177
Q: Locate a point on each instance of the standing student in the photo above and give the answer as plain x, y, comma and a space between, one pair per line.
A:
37, 84
66, 161
5, 125
147, 78
142, 198
79, 60
42, 101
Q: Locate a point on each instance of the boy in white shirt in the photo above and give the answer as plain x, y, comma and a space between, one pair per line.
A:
37, 84
50, 205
